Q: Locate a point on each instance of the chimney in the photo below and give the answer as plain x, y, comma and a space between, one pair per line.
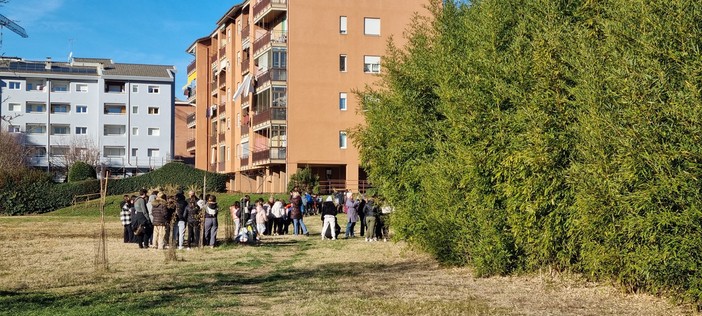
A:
48, 63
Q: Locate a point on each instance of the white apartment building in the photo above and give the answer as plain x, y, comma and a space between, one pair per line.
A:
124, 111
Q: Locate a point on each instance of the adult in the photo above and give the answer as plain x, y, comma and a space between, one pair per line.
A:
371, 212
211, 225
278, 212
296, 214
125, 217
261, 219
193, 211
268, 207
329, 218
181, 216
159, 213
235, 212
351, 206
362, 215
140, 206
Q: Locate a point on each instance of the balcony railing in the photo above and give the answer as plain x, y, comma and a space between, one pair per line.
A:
244, 161
213, 59
213, 86
245, 66
262, 5
273, 74
222, 51
245, 31
221, 108
273, 153
190, 144
190, 120
275, 37
220, 166
220, 137
244, 129
213, 139
191, 66
271, 114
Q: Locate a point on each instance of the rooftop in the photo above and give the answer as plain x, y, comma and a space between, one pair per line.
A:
86, 66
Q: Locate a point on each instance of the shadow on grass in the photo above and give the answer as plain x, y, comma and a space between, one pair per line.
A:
198, 291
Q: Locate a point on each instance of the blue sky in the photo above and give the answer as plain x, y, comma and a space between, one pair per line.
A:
127, 31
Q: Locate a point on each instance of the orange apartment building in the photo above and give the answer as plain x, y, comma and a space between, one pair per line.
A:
273, 88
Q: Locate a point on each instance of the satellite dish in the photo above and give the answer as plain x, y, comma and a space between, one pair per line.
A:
4, 21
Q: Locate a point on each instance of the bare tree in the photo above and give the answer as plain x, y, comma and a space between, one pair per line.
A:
76, 148
14, 155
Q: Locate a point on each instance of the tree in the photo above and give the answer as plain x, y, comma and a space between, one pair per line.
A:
78, 148
14, 155
304, 180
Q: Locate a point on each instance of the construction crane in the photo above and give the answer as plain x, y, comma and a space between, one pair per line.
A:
12, 26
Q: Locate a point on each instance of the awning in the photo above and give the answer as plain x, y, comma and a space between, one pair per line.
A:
244, 87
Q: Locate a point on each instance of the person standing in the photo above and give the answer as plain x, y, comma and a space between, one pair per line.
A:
180, 217
193, 211
140, 206
261, 219
371, 212
296, 214
329, 218
362, 215
125, 216
278, 212
211, 225
160, 214
268, 207
350, 206
235, 212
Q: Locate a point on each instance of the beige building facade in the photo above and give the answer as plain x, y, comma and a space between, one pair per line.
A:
273, 88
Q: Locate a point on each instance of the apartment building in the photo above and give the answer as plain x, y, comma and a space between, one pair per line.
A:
276, 81
121, 113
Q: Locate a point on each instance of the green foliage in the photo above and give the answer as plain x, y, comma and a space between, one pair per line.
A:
24, 190
174, 173
513, 135
81, 171
304, 180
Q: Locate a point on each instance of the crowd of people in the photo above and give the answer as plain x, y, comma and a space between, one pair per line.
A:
159, 221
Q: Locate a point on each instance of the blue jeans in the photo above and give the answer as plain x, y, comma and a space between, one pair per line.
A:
179, 233
297, 223
349, 229
211, 230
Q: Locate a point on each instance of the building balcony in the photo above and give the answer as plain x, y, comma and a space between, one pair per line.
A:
190, 144
222, 52
270, 156
272, 74
221, 167
268, 9
271, 114
244, 129
214, 86
221, 108
244, 162
213, 139
221, 137
190, 120
191, 67
213, 59
245, 66
269, 39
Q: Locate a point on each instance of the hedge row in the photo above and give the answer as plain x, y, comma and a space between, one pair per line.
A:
32, 191
513, 135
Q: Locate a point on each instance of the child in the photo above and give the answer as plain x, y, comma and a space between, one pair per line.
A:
261, 219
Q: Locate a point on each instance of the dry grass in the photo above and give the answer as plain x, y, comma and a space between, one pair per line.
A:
46, 267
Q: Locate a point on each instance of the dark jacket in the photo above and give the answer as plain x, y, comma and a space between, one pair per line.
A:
140, 219
193, 214
181, 204
159, 212
296, 212
328, 208
370, 210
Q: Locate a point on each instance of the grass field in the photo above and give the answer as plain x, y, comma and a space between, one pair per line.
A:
46, 268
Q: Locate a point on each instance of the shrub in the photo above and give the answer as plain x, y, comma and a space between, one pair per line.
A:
81, 171
304, 180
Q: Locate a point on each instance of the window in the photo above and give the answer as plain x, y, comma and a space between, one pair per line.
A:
342, 140
37, 151
371, 64
153, 89
114, 87
222, 153
342, 63
81, 109
60, 129
35, 85
135, 89
153, 110
135, 131
371, 26
36, 128
342, 101
135, 109
154, 131
114, 130
81, 130
342, 25
59, 86
60, 108
58, 150
109, 151
14, 85
279, 97
134, 152
81, 87
153, 152
229, 154
279, 58
115, 109
36, 108
13, 129
14, 107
